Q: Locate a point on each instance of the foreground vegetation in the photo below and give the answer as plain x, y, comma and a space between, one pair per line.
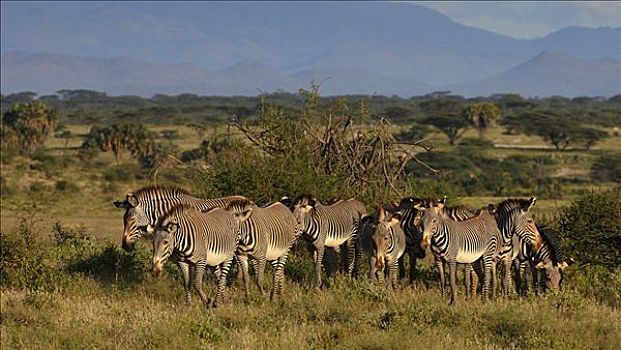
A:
65, 282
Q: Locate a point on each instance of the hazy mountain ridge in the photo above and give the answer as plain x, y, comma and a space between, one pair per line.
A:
385, 48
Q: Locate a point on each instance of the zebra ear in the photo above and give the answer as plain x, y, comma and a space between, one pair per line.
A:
243, 216
441, 202
172, 227
381, 214
395, 219
131, 200
123, 204
531, 203
491, 208
312, 202
286, 201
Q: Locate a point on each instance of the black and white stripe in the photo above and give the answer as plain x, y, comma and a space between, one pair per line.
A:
329, 226
197, 240
462, 242
266, 236
144, 207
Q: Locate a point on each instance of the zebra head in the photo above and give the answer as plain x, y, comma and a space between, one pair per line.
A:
303, 210
553, 275
135, 221
240, 209
381, 236
430, 221
162, 245
514, 217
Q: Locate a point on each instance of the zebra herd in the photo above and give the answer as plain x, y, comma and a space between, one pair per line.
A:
215, 233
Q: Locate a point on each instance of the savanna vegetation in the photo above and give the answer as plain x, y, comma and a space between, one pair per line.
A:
66, 282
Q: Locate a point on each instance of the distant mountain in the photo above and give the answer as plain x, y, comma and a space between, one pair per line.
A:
583, 43
247, 47
46, 73
340, 81
552, 74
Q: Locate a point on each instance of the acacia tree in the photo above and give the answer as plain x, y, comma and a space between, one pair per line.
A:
118, 138
482, 115
558, 130
30, 124
447, 115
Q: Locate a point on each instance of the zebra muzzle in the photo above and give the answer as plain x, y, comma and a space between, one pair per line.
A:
157, 269
379, 262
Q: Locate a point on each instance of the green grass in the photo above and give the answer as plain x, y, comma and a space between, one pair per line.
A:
102, 310
351, 314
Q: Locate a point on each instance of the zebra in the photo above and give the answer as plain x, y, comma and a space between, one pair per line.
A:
198, 239
329, 226
384, 240
462, 242
145, 206
411, 225
266, 236
516, 226
547, 264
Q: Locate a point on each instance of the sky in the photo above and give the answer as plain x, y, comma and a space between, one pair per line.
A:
529, 19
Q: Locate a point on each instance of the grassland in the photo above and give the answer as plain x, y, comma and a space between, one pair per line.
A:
90, 311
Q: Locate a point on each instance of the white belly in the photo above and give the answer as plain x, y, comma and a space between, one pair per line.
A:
467, 258
217, 259
273, 254
331, 242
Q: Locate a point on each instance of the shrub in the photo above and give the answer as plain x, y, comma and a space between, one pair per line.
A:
26, 263
66, 186
607, 168
592, 226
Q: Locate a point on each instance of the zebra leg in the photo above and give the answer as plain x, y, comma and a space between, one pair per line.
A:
372, 269
351, 256
488, 268
184, 268
279, 276
242, 260
224, 271
401, 263
535, 274
452, 278
507, 279
318, 257
440, 267
259, 270
493, 281
527, 278
413, 258
468, 280
393, 281
199, 271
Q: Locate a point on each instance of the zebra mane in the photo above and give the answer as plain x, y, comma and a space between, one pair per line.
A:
409, 201
151, 190
550, 238
511, 204
303, 199
177, 210
239, 204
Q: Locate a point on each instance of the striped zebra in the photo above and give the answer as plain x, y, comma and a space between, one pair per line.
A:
329, 226
145, 206
266, 236
197, 239
411, 225
384, 240
514, 220
462, 242
547, 264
